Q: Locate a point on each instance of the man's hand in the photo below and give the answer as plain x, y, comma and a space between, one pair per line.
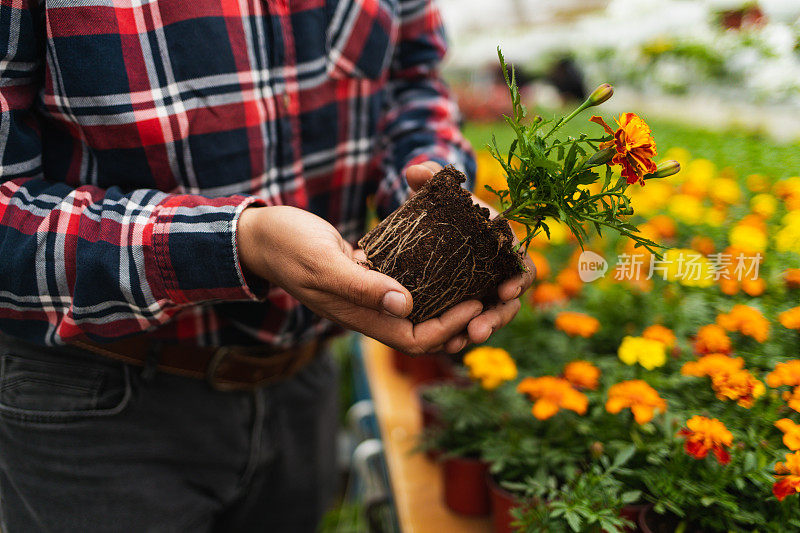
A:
481, 327
306, 256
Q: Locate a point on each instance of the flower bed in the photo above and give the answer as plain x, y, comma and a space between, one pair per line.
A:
631, 380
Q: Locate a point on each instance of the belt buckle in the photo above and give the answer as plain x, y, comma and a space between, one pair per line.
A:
211, 371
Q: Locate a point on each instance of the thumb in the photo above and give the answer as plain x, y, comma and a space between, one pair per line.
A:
368, 288
417, 175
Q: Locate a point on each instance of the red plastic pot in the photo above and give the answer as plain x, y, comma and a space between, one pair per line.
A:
632, 513
429, 368
465, 489
502, 502
400, 361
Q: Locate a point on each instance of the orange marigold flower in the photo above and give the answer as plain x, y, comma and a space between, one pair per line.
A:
739, 386
634, 144
636, 395
788, 476
791, 433
551, 394
792, 399
747, 321
547, 294
704, 434
704, 245
541, 263
712, 339
582, 374
664, 226
792, 278
570, 281
787, 373
754, 287
577, 324
657, 332
712, 364
791, 318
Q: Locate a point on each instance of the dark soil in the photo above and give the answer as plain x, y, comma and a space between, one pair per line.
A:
443, 248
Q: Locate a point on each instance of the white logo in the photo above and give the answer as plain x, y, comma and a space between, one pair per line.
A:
591, 266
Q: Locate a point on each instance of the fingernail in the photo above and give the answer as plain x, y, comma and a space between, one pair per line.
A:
516, 294
394, 303
461, 345
478, 310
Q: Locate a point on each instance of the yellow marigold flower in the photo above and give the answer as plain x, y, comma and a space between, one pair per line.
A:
712, 339
791, 433
704, 434
788, 476
489, 172
636, 395
791, 318
634, 145
739, 386
649, 353
747, 321
577, 324
787, 373
715, 216
582, 374
787, 239
698, 176
550, 394
748, 238
686, 208
711, 365
764, 205
657, 332
490, 366
725, 191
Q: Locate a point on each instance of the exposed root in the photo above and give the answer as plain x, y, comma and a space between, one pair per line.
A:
442, 248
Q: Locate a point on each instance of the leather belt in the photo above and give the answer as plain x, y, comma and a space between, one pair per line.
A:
226, 368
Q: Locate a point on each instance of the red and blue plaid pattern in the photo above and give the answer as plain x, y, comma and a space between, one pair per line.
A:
134, 132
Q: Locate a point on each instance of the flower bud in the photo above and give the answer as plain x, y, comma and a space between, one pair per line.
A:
600, 158
597, 449
665, 169
601, 94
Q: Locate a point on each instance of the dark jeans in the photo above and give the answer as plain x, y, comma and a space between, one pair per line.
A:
88, 444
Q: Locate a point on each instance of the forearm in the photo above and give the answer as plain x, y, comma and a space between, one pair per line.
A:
100, 263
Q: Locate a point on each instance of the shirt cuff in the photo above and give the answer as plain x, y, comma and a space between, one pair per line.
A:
193, 256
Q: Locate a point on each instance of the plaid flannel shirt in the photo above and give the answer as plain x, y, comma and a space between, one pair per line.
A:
134, 133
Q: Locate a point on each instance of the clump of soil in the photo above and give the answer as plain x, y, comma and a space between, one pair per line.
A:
443, 248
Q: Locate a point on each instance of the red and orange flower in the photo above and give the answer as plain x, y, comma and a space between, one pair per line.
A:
634, 145
788, 476
704, 434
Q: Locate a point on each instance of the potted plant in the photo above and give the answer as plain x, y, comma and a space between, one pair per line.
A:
468, 415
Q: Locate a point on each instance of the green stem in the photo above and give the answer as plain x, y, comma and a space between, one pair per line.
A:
567, 119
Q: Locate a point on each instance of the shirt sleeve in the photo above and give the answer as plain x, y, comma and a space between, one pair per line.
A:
91, 262
421, 122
